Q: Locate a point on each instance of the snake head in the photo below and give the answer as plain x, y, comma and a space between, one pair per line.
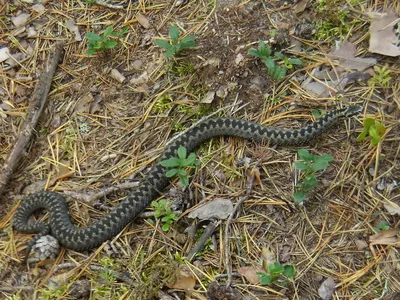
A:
352, 110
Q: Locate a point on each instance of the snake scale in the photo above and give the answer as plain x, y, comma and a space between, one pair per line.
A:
83, 238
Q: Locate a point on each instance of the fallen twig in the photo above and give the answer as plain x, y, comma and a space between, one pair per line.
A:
202, 240
228, 222
34, 110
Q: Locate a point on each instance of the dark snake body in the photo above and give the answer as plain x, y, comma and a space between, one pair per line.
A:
78, 238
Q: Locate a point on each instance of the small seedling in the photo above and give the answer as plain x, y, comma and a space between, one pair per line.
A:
382, 225
275, 273
373, 129
97, 43
275, 70
174, 46
381, 76
309, 164
178, 165
163, 209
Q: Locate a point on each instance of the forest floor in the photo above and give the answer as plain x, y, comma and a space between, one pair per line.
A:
109, 116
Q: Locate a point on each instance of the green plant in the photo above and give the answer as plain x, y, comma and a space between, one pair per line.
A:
333, 21
178, 165
309, 164
373, 129
100, 43
174, 46
163, 209
275, 70
275, 273
381, 76
318, 113
104, 286
382, 225
89, 2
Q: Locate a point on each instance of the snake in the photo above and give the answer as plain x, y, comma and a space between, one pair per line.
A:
84, 238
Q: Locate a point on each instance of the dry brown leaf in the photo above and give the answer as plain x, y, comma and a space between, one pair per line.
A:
82, 106
250, 273
361, 244
300, 6
392, 208
253, 176
346, 54
143, 21
208, 98
267, 256
325, 291
185, 280
386, 237
218, 208
383, 40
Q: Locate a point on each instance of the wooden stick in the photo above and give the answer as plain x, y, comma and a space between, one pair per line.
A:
35, 108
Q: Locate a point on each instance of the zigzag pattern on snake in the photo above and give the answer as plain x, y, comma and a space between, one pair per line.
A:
83, 238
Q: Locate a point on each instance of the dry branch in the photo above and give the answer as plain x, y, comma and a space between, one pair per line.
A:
35, 108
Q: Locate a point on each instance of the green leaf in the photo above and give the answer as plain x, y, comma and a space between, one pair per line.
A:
110, 44
375, 138
295, 61
171, 173
362, 135
158, 213
300, 166
305, 155
279, 55
92, 37
182, 152
120, 33
190, 160
166, 219
299, 196
254, 52
171, 51
165, 227
174, 34
279, 72
189, 38
309, 184
269, 63
90, 52
289, 271
108, 31
265, 279
275, 268
184, 180
187, 45
163, 44
154, 204
264, 50
171, 162
316, 113
182, 172
368, 122
380, 129
319, 165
